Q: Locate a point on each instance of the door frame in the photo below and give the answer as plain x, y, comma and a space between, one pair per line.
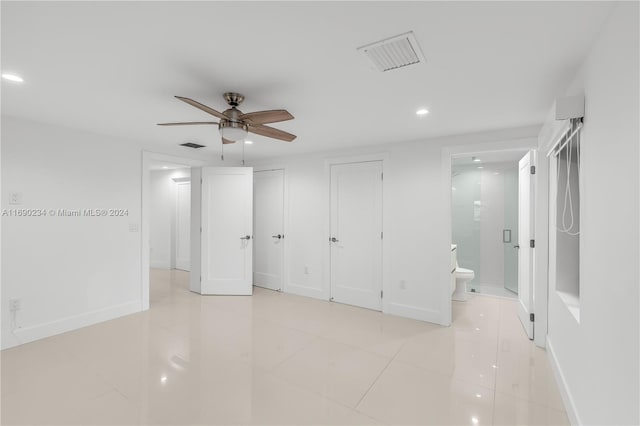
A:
286, 254
541, 226
386, 258
147, 158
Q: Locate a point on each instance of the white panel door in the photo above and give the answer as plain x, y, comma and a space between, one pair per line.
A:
227, 210
356, 234
183, 225
525, 236
268, 228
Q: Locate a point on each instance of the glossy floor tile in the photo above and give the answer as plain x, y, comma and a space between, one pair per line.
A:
279, 359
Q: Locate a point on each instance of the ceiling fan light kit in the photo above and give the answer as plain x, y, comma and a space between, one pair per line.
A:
233, 130
234, 125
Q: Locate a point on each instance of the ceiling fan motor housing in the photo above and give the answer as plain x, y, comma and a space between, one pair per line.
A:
233, 99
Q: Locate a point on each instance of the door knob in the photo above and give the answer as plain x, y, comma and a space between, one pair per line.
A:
516, 246
276, 236
246, 237
334, 240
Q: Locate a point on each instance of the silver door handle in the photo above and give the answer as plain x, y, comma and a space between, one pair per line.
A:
276, 236
246, 237
516, 246
334, 239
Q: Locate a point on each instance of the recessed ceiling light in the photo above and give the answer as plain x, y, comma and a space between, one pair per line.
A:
165, 167
476, 159
480, 167
12, 77
248, 142
422, 111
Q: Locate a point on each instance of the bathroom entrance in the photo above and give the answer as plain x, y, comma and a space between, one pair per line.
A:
484, 194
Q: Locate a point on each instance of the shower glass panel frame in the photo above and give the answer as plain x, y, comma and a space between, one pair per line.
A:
485, 225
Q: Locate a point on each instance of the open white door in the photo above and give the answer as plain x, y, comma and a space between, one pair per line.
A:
227, 229
356, 234
268, 202
526, 241
183, 225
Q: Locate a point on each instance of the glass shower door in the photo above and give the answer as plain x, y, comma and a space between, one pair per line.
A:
510, 231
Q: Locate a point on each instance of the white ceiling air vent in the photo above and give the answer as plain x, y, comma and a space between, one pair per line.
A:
394, 52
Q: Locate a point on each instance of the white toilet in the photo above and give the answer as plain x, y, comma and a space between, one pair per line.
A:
459, 277
463, 276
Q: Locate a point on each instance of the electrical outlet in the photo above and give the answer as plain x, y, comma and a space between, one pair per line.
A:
306, 270
15, 304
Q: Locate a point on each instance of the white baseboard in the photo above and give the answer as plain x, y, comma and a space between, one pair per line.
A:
302, 290
413, 312
159, 264
569, 405
40, 331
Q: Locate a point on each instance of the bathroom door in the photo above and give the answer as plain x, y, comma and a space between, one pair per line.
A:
525, 237
356, 234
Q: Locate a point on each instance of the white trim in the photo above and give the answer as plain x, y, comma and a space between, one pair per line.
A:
541, 252
386, 248
306, 291
74, 322
159, 264
414, 312
519, 144
567, 399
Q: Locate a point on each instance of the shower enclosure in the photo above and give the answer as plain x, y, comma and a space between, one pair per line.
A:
485, 224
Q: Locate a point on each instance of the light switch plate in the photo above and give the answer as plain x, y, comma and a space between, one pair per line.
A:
15, 198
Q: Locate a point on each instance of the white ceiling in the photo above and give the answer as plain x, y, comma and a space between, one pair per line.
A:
113, 67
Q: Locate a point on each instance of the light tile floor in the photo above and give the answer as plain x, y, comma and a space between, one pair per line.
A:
281, 359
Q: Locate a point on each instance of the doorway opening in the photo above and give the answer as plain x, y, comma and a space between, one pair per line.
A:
484, 195
166, 217
169, 228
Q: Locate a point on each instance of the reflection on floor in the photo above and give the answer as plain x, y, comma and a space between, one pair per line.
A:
281, 359
491, 290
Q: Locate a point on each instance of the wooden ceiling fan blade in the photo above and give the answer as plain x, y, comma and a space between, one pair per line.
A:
188, 123
227, 141
203, 107
270, 132
265, 117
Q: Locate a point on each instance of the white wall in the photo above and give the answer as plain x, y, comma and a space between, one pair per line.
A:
68, 271
162, 199
417, 235
597, 359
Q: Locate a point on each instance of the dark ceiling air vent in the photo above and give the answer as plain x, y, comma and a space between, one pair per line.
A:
192, 145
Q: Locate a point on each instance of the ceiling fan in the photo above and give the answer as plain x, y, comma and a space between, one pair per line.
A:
234, 124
